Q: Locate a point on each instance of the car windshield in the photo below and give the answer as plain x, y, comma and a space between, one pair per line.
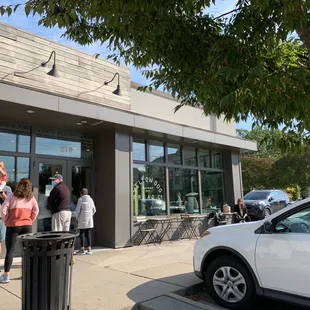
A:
259, 195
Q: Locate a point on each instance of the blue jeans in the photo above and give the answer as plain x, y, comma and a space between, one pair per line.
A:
2, 230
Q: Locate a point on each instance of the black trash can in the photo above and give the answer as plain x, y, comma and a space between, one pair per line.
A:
47, 270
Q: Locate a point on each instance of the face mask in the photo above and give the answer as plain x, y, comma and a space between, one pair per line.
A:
54, 183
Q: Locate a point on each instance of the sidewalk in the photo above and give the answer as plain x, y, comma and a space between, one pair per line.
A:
119, 279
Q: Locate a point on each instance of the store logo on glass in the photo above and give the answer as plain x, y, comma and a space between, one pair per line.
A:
146, 182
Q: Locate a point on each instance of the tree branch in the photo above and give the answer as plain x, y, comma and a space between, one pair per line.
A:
232, 11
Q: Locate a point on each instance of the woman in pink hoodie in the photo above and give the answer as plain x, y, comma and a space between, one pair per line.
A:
18, 212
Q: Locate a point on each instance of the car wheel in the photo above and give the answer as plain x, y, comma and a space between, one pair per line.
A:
229, 283
267, 213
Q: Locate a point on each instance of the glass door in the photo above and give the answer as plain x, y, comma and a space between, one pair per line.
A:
79, 176
44, 170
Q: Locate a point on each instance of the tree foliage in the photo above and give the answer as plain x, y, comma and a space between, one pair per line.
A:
253, 61
269, 168
267, 140
293, 170
256, 173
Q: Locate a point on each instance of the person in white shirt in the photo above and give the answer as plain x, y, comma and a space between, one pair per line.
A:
85, 211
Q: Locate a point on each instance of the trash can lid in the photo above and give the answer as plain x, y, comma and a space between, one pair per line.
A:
53, 235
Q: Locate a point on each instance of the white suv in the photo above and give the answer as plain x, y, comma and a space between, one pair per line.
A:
270, 258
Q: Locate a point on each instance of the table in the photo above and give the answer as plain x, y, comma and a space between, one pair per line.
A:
190, 225
229, 217
166, 226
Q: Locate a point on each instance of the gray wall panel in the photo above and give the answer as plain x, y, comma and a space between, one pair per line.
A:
122, 190
105, 189
233, 177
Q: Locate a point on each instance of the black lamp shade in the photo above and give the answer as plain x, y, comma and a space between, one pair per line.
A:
53, 72
117, 91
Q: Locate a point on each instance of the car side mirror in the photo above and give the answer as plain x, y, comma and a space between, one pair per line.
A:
268, 227
270, 199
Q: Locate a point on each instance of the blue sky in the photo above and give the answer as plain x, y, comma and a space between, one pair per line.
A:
30, 24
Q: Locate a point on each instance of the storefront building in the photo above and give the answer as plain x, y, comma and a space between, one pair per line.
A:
134, 154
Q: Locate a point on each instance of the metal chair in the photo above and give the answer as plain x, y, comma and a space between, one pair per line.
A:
190, 226
148, 232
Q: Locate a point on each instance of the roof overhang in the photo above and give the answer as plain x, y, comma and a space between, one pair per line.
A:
53, 102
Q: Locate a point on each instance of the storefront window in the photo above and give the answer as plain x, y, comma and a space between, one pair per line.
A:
138, 149
16, 167
14, 138
156, 150
46, 171
189, 154
57, 143
217, 160
81, 178
149, 190
212, 190
183, 189
204, 158
174, 154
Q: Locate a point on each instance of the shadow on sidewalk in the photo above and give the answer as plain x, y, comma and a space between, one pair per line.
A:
181, 284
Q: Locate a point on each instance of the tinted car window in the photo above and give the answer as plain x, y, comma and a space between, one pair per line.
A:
257, 195
274, 195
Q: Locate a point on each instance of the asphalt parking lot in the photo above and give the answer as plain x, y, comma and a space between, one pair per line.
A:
266, 304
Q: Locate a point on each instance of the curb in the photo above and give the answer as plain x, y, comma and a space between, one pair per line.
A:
178, 300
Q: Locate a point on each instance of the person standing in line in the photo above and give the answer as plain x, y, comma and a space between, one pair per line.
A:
18, 212
59, 202
85, 211
3, 194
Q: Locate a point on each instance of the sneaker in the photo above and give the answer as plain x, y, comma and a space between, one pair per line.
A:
89, 252
80, 252
4, 279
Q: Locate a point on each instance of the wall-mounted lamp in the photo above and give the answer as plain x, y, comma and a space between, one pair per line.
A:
53, 72
117, 91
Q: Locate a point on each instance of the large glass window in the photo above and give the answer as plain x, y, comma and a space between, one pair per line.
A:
57, 143
138, 149
184, 163
174, 154
189, 154
149, 190
204, 158
217, 160
183, 189
14, 138
156, 151
46, 171
81, 178
212, 189
16, 167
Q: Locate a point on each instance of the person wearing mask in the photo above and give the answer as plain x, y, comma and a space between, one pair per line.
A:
18, 212
59, 202
85, 211
242, 212
3, 194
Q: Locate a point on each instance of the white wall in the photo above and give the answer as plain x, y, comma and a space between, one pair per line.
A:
225, 128
162, 106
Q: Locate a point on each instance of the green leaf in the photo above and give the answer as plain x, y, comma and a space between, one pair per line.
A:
16, 7
27, 9
9, 10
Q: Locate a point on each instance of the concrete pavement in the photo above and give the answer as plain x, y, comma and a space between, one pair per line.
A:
120, 279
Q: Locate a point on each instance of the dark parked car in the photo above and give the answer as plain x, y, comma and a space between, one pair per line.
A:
152, 207
263, 203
